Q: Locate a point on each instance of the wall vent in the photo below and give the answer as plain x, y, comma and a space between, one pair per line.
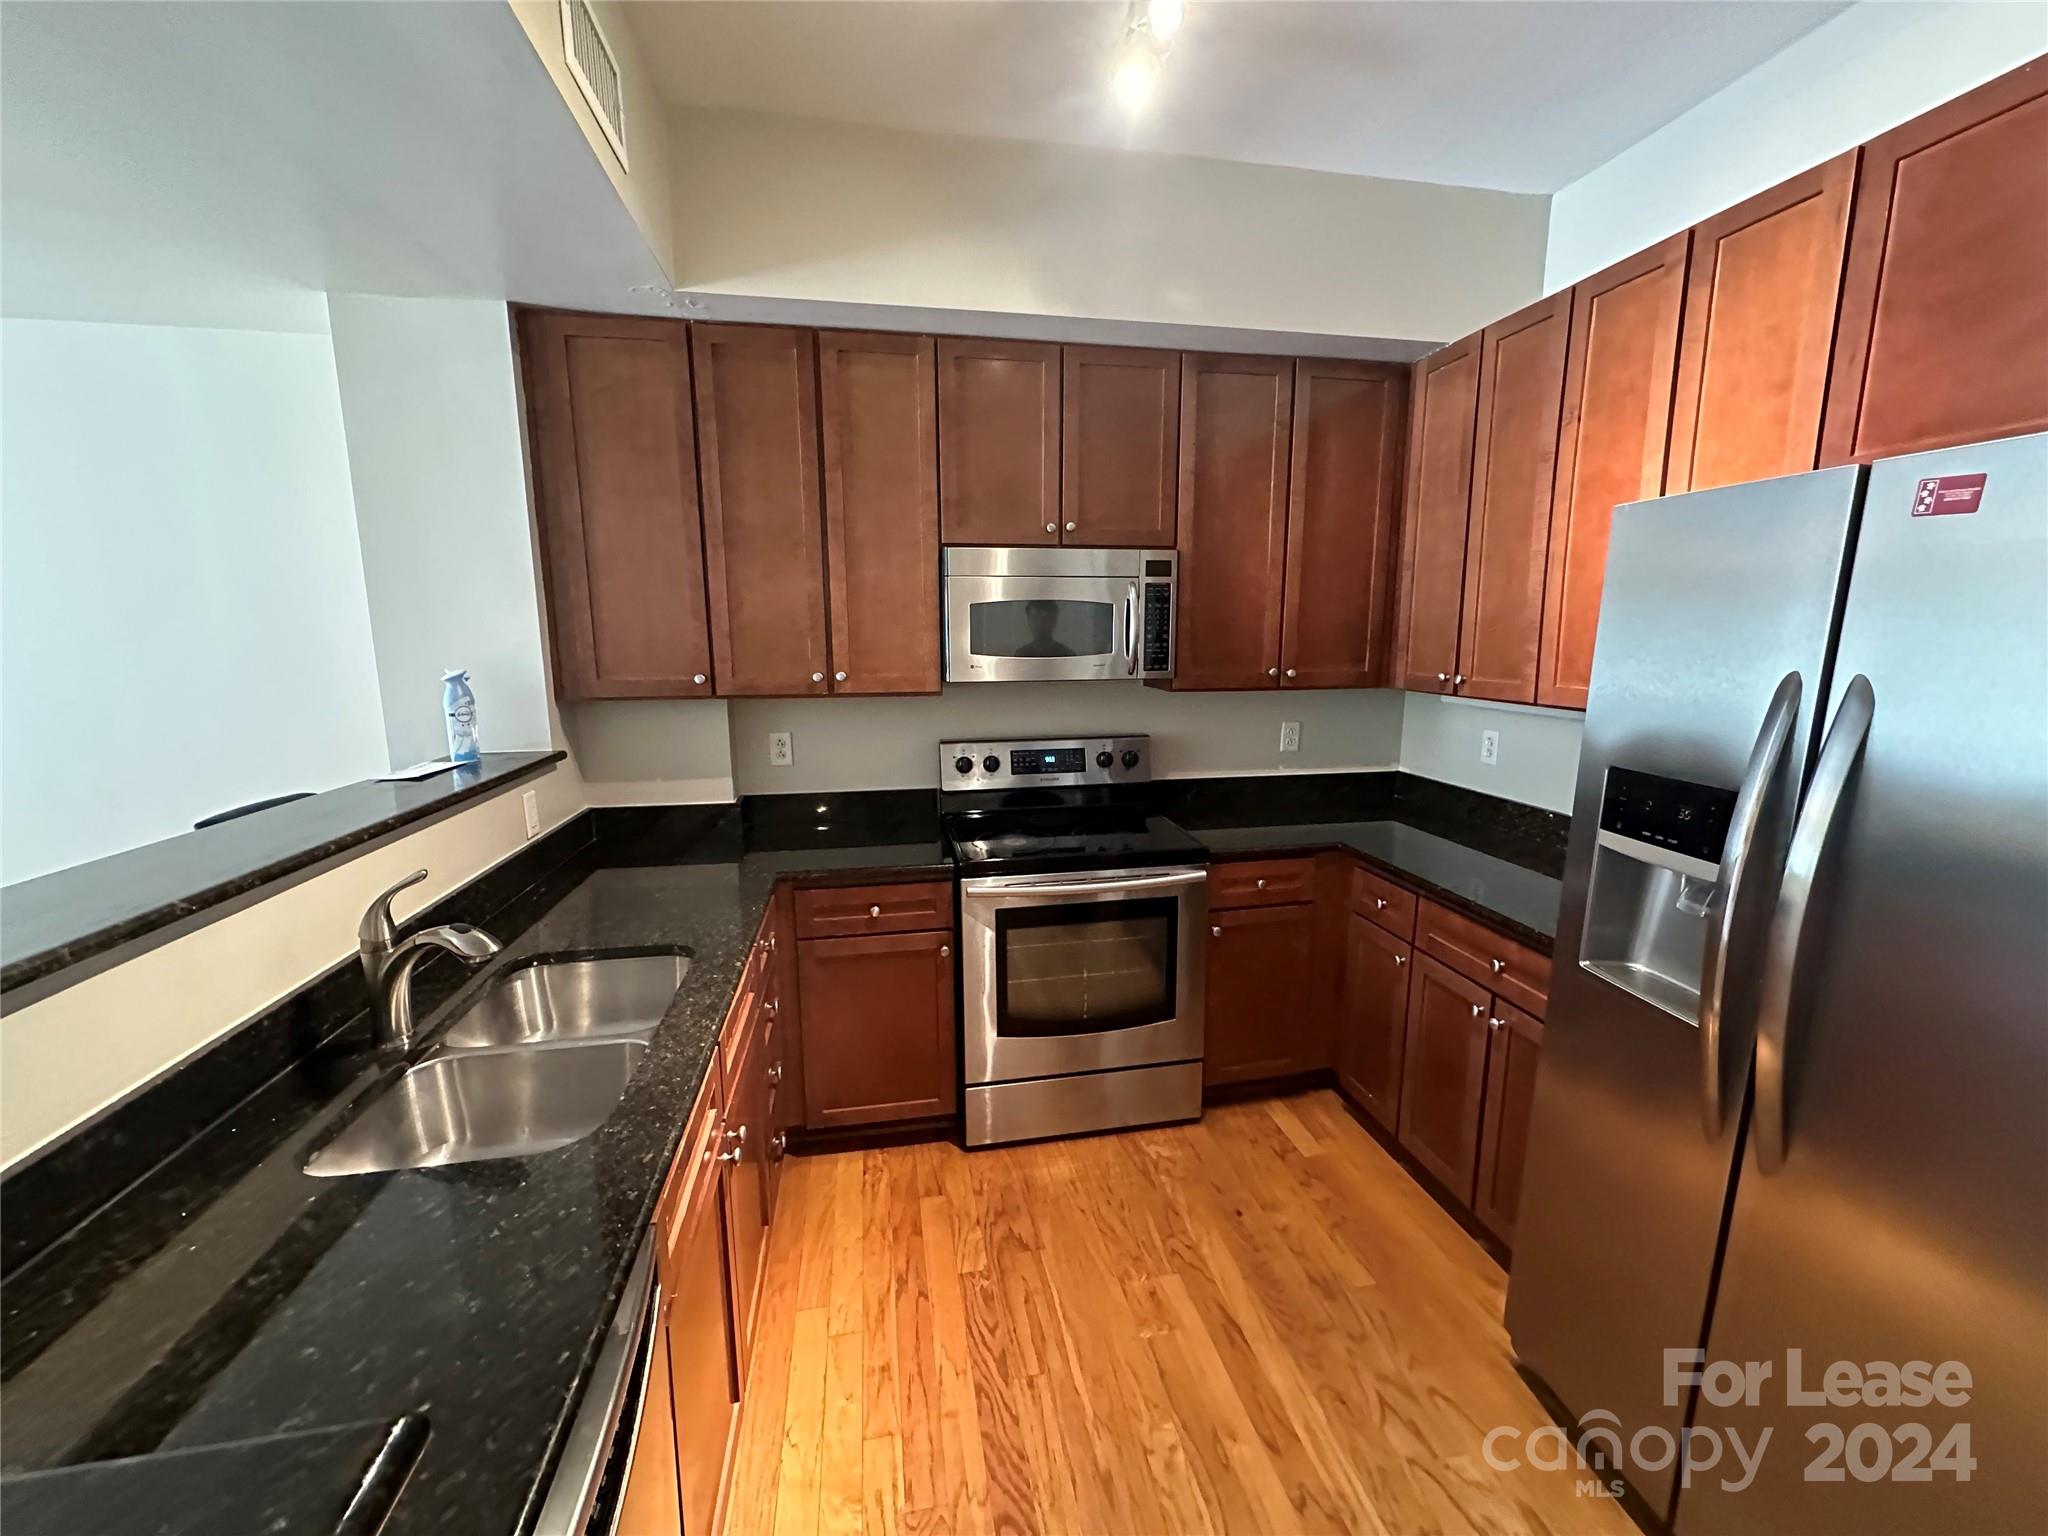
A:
596, 71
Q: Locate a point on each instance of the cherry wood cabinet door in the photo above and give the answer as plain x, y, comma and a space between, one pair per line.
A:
1120, 410
1259, 1000
1343, 502
1759, 320
1443, 412
757, 431
651, 1503
877, 405
878, 1027
744, 1146
1943, 337
1507, 540
999, 441
615, 476
1373, 1018
1515, 1040
1235, 412
784, 1034
704, 1381
1443, 1072
1611, 439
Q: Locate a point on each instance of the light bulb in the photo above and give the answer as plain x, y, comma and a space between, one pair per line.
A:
1163, 17
1134, 77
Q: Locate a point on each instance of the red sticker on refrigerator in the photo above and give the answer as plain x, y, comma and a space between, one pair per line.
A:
1944, 495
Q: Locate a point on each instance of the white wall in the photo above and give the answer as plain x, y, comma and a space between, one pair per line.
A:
790, 209
892, 743
651, 751
1869, 69
1539, 748
72, 1055
430, 406
182, 620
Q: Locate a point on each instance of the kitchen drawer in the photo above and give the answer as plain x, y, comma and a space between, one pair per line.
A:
691, 1170
1512, 970
845, 911
1261, 883
1389, 905
743, 1020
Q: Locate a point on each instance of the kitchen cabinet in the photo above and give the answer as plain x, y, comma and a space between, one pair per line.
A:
651, 1503
757, 434
1943, 336
1514, 1041
1235, 415
609, 420
1443, 1070
876, 406
1443, 411
743, 1162
1496, 962
1119, 439
1372, 1024
1611, 440
832, 912
999, 441
1507, 536
784, 1034
1261, 883
879, 1032
1260, 995
1343, 507
1759, 320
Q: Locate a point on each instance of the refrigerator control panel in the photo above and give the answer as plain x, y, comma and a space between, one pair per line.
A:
1677, 814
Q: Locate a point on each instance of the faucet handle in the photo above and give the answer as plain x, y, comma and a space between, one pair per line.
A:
377, 928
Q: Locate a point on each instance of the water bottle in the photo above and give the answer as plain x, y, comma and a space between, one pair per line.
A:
458, 703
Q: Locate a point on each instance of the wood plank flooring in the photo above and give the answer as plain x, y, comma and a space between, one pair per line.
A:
1254, 1324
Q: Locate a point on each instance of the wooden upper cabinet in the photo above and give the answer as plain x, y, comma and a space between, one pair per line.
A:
1443, 407
1610, 445
881, 449
1943, 337
1759, 320
1514, 455
1120, 410
1343, 494
1233, 519
999, 441
615, 476
757, 430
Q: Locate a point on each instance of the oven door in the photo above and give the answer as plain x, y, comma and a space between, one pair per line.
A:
1041, 628
1081, 973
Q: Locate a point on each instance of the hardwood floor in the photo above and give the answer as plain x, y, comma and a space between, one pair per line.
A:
1257, 1323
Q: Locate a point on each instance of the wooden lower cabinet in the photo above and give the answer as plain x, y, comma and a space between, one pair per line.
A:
651, 1504
1260, 1003
1515, 1041
704, 1370
878, 1028
1373, 1018
1443, 1071
744, 1161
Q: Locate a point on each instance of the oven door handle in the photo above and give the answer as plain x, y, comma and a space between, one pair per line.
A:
1035, 886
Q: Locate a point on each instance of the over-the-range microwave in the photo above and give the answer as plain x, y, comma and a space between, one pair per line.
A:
1030, 615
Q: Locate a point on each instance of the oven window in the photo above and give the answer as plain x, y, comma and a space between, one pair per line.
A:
1042, 626
1086, 969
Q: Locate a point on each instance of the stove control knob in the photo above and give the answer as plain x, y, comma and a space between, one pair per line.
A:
1130, 757
991, 763
1104, 758
963, 765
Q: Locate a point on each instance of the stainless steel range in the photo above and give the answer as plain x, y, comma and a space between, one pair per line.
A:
1081, 917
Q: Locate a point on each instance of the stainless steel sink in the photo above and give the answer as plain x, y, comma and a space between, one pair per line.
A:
570, 1000
466, 1106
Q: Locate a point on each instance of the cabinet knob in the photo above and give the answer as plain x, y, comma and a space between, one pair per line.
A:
817, 677
874, 911
732, 1156
699, 678
838, 677
1290, 671
1458, 680
1499, 966
1052, 527
1443, 677
1493, 1024
1379, 903
774, 1074
1215, 933
780, 1144
738, 1138
1272, 671
772, 1007
1070, 527
1400, 959
1260, 884
1478, 1009
945, 951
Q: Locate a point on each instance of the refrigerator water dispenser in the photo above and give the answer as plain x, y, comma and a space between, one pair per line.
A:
1656, 883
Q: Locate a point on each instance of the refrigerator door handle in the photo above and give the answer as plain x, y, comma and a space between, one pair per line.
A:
1784, 949
1764, 777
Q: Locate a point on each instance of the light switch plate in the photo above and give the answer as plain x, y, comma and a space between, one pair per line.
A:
1290, 735
1489, 747
781, 752
531, 802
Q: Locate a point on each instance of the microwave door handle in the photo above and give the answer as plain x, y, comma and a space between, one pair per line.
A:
1786, 949
1740, 878
1030, 887
1131, 631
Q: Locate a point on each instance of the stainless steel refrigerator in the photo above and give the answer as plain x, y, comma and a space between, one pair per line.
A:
1794, 1086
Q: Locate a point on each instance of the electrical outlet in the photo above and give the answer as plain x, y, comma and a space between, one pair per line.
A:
1290, 735
531, 802
1489, 747
780, 751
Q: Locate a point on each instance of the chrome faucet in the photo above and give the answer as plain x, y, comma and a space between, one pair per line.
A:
388, 962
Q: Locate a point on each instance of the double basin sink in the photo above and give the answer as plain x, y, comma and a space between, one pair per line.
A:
537, 1060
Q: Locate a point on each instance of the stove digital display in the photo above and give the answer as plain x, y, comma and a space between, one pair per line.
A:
1060, 760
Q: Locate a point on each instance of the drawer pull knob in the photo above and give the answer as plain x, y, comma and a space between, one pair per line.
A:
1070, 527
1261, 884
780, 1143
1478, 1009
874, 911
1379, 903
1458, 680
945, 951
698, 679
1290, 671
1272, 671
775, 1074
1400, 959
1052, 527
1493, 1024
1215, 933
838, 677
732, 1156
1499, 966
772, 1007
738, 1138
1443, 677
